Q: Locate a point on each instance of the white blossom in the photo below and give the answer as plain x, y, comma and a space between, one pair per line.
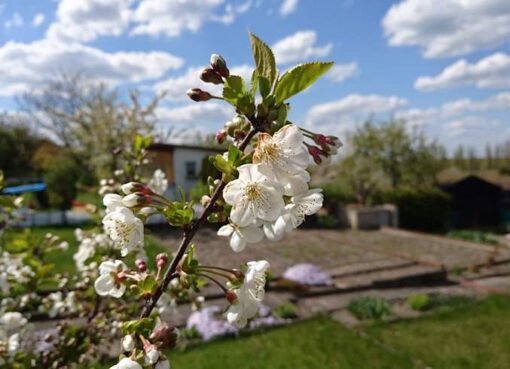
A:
307, 203
127, 363
158, 182
162, 364
112, 201
151, 355
256, 194
274, 231
240, 236
128, 343
124, 228
249, 295
12, 320
108, 282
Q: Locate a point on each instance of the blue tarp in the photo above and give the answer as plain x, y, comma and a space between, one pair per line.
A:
33, 187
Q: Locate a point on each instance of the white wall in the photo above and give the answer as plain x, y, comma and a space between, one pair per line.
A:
183, 155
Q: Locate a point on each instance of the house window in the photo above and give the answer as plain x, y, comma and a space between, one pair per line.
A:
191, 170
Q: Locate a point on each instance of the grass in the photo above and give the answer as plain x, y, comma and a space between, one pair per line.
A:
63, 260
467, 335
473, 335
474, 236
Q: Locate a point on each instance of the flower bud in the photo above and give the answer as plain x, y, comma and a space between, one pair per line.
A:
205, 200
128, 343
141, 265
238, 121
165, 336
136, 199
219, 65
197, 94
209, 75
161, 260
132, 187
151, 354
147, 211
221, 136
231, 297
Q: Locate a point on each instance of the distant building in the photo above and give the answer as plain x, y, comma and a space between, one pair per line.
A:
182, 164
479, 202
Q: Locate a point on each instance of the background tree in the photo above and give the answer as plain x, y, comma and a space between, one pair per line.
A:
91, 120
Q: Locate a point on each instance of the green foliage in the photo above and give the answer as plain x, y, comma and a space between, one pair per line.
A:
369, 308
419, 209
61, 177
474, 236
418, 301
327, 221
17, 146
142, 326
299, 79
286, 310
264, 60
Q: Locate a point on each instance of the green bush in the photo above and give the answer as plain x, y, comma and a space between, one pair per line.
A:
419, 209
61, 177
286, 311
474, 236
371, 308
418, 301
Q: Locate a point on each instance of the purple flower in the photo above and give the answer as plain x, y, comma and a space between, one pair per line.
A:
307, 274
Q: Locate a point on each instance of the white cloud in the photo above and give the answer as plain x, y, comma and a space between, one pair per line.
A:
288, 6
449, 27
172, 17
492, 71
176, 87
341, 72
300, 46
26, 66
15, 21
342, 115
38, 19
456, 108
85, 20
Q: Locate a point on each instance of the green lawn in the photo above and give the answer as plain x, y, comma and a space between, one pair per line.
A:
63, 260
474, 336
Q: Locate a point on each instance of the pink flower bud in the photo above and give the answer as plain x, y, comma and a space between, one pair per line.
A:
221, 136
131, 187
161, 260
197, 95
141, 265
209, 75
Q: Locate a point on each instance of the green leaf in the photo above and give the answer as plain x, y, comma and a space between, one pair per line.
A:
233, 89
234, 154
264, 58
254, 83
141, 326
299, 78
264, 86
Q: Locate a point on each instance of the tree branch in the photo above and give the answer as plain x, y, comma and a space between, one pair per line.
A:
188, 237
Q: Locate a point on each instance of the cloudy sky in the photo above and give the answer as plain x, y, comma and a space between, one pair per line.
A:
442, 65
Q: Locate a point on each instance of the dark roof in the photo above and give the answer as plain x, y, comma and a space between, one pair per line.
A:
494, 179
171, 147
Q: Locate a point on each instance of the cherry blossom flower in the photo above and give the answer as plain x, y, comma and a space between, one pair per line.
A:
128, 343
158, 183
127, 363
240, 236
256, 194
283, 152
124, 228
307, 203
274, 231
112, 201
249, 295
109, 283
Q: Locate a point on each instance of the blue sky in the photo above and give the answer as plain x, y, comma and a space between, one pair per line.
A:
445, 69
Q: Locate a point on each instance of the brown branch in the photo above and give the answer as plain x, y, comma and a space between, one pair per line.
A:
188, 237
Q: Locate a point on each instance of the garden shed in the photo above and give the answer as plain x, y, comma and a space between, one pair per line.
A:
479, 202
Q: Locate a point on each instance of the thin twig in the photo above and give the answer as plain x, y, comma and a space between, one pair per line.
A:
189, 233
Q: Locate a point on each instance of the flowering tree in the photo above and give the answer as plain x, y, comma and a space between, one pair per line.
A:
263, 193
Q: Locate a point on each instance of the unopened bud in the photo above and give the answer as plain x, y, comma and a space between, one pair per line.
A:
197, 95
136, 199
239, 135
238, 121
165, 335
151, 354
161, 260
132, 187
205, 200
141, 265
221, 136
219, 65
147, 211
238, 275
231, 296
128, 343
209, 75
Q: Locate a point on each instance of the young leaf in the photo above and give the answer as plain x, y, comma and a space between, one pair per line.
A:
298, 79
264, 58
264, 86
234, 88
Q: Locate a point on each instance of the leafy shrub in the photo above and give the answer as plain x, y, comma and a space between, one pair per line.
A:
474, 236
286, 311
369, 308
327, 221
61, 177
418, 301
421, 209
